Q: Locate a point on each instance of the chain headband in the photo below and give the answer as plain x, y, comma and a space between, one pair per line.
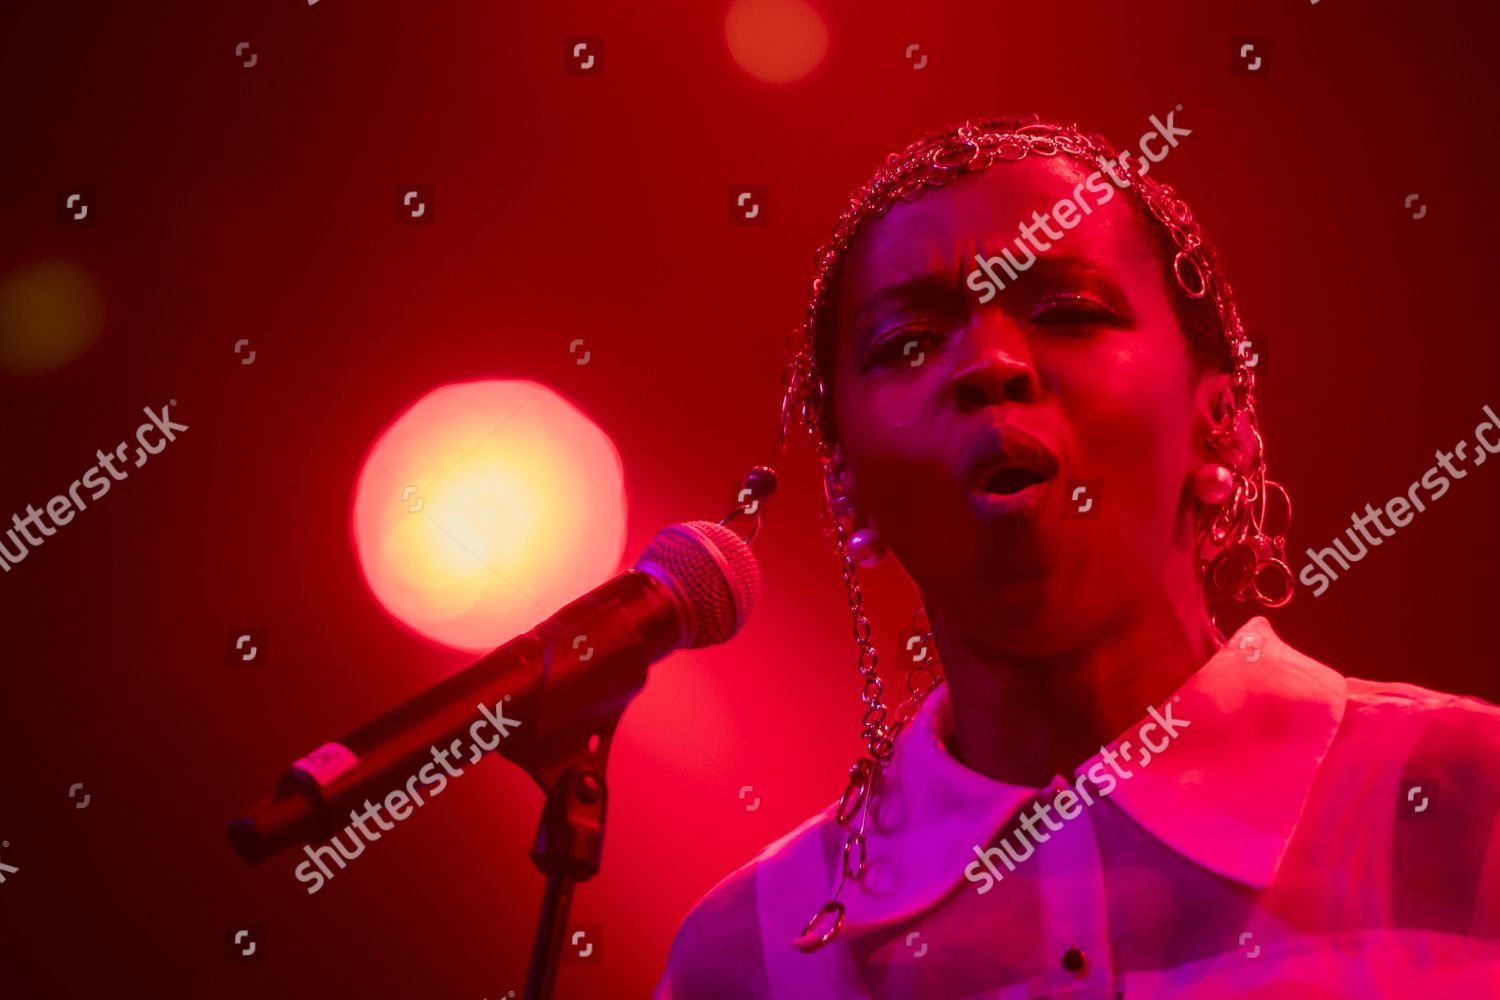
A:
1241, 540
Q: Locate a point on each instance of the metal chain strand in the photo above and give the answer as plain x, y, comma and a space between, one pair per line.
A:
879, 734
1235, 548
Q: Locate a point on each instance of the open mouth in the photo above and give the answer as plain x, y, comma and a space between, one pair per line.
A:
1008, 469
1005, 482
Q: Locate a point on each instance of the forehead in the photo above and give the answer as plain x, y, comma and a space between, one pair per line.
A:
942, 230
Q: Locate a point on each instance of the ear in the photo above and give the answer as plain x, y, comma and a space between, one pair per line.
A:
1212, 414
843, 483
841, 478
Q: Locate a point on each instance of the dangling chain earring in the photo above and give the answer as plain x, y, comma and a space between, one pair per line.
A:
866, 546
1242, 541
877, 730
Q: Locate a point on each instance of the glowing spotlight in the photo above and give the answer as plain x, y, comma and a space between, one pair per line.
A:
50, 312
484, 508
775, 40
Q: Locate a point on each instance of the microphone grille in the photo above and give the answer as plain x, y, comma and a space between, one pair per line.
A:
712, 570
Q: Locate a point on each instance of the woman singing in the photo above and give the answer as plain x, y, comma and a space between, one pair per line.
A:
1024, 373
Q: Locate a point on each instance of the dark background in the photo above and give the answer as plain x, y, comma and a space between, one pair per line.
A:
257, 203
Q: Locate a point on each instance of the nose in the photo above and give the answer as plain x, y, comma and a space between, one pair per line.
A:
996, 369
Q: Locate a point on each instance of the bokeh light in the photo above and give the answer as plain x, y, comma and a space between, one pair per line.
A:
50, 312
775, 40
484, 508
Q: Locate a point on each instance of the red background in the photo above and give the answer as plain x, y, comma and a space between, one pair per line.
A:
258, 204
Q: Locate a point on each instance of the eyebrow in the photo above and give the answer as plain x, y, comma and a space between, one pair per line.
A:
1068, 266
940, 287
932, 285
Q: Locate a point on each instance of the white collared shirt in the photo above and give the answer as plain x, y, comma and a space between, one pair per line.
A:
1274, 829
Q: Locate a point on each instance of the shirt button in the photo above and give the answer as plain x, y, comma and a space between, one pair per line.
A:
1072, 960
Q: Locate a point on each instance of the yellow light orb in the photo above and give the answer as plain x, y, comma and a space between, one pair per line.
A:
50, 312
484, 508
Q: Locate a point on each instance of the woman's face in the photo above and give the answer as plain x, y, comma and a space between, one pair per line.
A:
1028, 460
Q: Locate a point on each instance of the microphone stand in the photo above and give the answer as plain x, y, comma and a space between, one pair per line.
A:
569, 842
564, 746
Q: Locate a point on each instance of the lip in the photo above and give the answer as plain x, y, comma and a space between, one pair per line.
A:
1002, 505
1008, 448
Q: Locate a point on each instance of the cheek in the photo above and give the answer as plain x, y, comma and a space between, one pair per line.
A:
878, 414
879, 438
1129, 420
887, 439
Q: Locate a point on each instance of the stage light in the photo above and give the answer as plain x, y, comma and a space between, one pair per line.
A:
775, 40
50, 312
484, 508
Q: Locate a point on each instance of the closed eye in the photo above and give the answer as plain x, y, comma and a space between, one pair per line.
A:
907, 346
1074, 310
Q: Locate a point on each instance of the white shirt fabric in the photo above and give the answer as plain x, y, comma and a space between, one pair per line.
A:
1302, 834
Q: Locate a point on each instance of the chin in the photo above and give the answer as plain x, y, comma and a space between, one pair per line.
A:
999, 604
1038, 607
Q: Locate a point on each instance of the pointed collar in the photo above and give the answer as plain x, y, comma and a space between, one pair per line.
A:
1254, 725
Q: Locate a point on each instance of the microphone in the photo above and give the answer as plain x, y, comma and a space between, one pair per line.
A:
695, 585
